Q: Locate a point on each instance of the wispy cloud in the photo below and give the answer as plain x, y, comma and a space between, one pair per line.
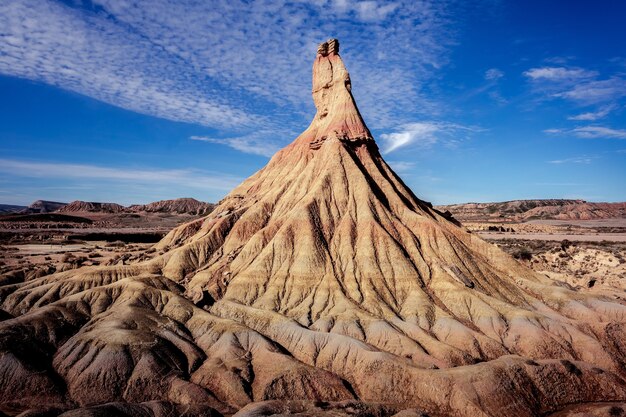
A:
591, 116
402, 166
425, 134
371, 11
577, 85
187, 177
493, 74
559, 74
90, 54
596, 91
253, 144
234, 65
574, 160
591, 132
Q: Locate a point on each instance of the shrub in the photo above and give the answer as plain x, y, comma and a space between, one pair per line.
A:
571, 368
68, 258
116, 244
523, 253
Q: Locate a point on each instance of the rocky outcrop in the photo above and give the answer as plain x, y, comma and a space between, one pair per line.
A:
525, 210
43, 206
91, 207
177, 206
10, 208
321, 278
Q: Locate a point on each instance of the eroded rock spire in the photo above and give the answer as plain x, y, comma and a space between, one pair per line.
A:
337, 116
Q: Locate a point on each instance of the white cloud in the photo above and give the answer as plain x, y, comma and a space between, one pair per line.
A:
87, 53
367, 10
599, 132
234, 65
184, 177
371, 11
591, 132
559, 74
597, 91
575, 160
591, 116
424, 134
493, 74
577, 85
257, 145
401, 166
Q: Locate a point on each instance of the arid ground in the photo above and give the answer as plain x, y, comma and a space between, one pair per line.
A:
319, 286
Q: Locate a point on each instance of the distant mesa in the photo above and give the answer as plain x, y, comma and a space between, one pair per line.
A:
179, 206
526, 210
174, 206
43, 206
91, 207
11, 208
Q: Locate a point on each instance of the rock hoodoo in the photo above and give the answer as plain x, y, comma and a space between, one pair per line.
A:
337, 116
322, 277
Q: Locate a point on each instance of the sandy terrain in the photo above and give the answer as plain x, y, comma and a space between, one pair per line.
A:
592, 237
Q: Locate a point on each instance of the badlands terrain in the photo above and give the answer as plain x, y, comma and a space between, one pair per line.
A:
321, 285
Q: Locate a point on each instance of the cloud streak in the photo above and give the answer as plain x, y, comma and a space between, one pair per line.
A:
577, 85
425, 134
559, 74
253, 144
183, 177
591, 116
591, 132
574, 160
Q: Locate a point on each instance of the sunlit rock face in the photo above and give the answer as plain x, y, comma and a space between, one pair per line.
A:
323, 283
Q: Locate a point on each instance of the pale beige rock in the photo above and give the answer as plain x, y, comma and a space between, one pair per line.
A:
321, 277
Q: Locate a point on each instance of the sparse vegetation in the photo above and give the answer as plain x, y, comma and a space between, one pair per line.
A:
570, 367
523, 254
565, 244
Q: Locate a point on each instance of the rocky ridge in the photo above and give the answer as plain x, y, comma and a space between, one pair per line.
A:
43, 206
90, 207
179, 205
526, 210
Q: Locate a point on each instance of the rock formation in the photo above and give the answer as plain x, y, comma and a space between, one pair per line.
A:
320, 279
525, 210
91, 207
176, 206
43, 206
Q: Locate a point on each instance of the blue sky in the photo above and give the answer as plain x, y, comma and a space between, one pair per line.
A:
136, 101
